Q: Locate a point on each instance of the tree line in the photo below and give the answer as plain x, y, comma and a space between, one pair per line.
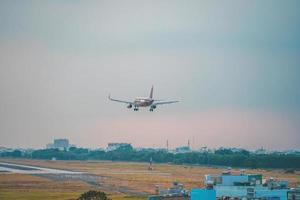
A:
220, 157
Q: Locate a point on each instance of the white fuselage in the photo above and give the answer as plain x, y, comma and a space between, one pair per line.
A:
143, 102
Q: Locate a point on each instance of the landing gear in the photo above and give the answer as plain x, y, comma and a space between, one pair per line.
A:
151, 110
136, 108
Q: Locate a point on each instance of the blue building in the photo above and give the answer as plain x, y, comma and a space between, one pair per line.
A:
272, 194
247, 186
203, 194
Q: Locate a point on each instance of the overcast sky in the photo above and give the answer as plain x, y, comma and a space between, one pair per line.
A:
234, 66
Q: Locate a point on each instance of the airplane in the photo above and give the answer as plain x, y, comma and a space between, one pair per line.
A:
143, 102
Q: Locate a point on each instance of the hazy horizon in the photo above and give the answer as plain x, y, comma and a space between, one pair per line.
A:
234, 67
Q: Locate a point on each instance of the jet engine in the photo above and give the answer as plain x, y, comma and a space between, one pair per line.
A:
152, 108
129, 106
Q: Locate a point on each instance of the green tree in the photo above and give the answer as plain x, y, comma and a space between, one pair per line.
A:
93, 195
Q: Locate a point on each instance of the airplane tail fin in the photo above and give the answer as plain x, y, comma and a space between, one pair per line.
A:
151, 93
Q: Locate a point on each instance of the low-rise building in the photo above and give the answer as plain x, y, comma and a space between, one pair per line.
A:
246, 186
294, 193
184, 149
228, 179
61, 144
175, 192
203, 194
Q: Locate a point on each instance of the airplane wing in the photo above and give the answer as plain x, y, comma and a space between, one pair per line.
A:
163, 102
120, 101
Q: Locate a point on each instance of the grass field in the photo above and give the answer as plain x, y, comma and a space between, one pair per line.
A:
46, 195
121, 180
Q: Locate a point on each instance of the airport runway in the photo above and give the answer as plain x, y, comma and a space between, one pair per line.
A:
64, 175
27, 169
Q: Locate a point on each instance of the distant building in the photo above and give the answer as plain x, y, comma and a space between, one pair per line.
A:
261, 151
61, 144
151, 149
50, 146
4, 149
184, 149
115, 146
